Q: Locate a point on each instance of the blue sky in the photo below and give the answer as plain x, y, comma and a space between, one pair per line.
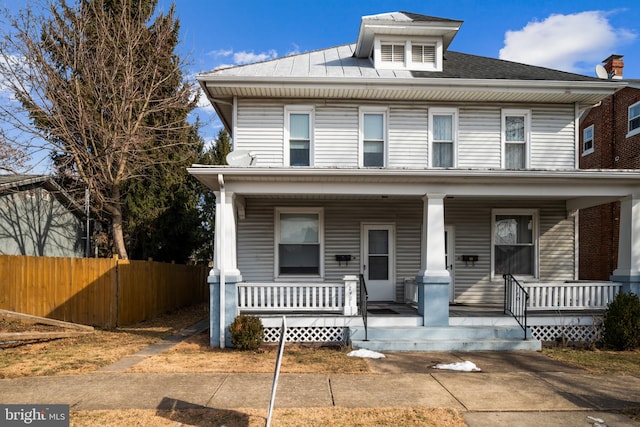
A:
568, 35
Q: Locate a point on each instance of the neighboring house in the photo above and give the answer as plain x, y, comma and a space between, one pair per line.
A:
431, 172
38, 218
609, 139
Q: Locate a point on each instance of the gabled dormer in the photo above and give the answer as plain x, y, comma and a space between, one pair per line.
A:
405, 41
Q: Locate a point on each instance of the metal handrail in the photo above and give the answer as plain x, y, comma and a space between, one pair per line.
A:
516, 300
364, 299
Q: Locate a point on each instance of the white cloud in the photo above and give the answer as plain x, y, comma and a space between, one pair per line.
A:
221, 52
244, 57
573, 43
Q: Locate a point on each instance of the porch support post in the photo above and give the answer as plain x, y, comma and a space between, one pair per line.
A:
225, 273
434, 278
628, 271
350, 295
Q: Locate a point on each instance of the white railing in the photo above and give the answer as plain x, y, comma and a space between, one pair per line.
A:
571, 295
299, 297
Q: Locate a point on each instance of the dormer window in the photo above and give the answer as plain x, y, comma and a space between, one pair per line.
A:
423, 54
405, 41
403, 54
392, 52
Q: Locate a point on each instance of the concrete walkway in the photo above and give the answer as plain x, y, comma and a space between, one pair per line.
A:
513, 389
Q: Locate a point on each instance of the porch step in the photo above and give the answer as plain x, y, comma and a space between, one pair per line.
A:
452, 338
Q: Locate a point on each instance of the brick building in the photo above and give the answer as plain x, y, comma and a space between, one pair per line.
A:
609, 139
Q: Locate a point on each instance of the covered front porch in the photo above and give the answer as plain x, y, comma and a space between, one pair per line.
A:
339, 207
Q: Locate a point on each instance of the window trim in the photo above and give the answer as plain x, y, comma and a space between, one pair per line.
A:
535, 214
586, 151
443, 111
508, 112
276, 241
298, 109
384, 111
636, 131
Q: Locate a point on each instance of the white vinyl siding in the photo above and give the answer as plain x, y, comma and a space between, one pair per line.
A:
479, 137
336, 136
408, 137
260, 127
553, 143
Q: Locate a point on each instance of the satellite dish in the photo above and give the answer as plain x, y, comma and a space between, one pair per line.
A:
601, 72
241, 158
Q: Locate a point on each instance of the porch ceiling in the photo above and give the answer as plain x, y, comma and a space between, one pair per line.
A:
582, 187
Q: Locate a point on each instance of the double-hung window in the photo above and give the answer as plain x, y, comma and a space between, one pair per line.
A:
443, 123
373, 137
587, 140
634, 119
299, 244
515, 139
514, 241
299, 136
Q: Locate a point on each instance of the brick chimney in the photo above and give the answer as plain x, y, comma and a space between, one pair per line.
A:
614, 65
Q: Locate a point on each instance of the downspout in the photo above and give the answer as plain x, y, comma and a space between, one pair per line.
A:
221, 260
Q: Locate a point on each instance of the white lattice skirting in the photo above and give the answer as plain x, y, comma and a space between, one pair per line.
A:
327, 334
574, 333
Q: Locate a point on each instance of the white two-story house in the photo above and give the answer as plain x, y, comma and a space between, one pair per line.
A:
441, 177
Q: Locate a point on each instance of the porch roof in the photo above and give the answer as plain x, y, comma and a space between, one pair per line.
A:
581, 188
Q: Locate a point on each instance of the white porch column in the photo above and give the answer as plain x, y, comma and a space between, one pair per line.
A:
224, 276
628, 271
434, 278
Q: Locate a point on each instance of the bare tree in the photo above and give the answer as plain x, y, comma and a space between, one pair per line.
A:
103, 91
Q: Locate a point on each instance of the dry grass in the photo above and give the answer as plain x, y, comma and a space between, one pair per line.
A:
598, 361
195, 355
90, 352
336, 417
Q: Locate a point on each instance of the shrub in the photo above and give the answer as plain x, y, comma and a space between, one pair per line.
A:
247, 332
622, 322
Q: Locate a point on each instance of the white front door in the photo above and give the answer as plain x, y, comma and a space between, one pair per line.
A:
378, 261
450, 258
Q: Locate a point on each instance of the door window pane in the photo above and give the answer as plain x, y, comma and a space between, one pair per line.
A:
378, 242
378, 267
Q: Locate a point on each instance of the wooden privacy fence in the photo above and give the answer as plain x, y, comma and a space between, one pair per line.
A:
103, 292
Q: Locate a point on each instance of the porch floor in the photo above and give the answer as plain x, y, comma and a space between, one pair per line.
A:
455, 310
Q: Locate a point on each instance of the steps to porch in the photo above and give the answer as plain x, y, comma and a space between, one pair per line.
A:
477, 329
444, 338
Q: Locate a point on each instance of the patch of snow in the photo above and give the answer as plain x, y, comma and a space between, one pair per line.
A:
363, 352
465, 366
